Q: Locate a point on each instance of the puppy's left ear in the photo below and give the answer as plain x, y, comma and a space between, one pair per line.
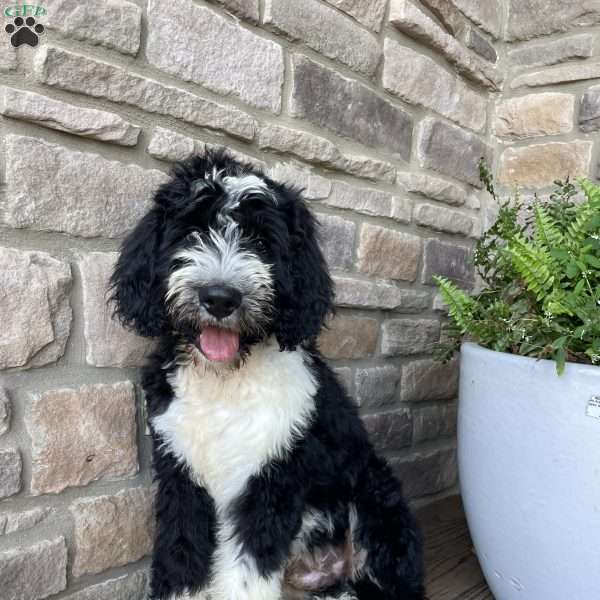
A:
305, 290
136, 286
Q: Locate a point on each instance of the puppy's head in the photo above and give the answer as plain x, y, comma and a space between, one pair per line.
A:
224, 259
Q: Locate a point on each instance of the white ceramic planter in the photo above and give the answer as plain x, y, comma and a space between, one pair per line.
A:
529, 461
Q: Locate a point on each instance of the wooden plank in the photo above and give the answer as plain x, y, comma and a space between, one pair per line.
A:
453, 572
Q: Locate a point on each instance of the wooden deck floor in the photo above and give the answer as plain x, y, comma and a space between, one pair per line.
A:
453, 571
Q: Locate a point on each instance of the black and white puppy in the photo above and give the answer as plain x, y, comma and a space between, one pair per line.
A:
268, 487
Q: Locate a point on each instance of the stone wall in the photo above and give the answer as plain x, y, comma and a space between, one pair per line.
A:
378, 108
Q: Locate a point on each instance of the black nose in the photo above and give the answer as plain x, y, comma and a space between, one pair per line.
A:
220, 300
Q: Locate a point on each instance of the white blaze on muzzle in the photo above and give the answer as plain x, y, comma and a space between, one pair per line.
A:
219, 259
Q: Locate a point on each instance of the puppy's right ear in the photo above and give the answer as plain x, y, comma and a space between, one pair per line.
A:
137, 288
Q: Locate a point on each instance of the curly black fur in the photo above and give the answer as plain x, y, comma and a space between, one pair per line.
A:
288, 230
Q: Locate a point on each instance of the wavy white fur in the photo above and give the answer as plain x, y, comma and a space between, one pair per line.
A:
268, 404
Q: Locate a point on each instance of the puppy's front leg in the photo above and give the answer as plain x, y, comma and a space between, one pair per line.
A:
256, 534
185, 533
236, 574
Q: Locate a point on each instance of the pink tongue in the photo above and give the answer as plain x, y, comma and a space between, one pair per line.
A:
219, 344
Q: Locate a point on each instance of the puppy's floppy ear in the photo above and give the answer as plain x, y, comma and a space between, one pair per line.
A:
304, 287
137, 289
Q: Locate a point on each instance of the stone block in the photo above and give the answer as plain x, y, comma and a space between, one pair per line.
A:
488, 15
451, 151
429, 380
403, 337
540, 165
377, 387
171, 146
112, 531
309, 147
11, 522
34, 572
198, 45
82, 435
126, 587
566, 73
55, 114
589, 110
369, 294
318, 93
369, 202
247, 9
368, 12
325, 30
434, 422
107, 343
92, 197
476, 42
432, 187
390, 431
543, 17
10, 473
426, 473
368, 168
5, 411
444, 219
450, 17
387, 253
314, 186
534, 115
34, 307
448, 260
115, 25
349, 337
552, 52
337, 241
8, 55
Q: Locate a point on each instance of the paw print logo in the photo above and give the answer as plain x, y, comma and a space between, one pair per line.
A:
24, 31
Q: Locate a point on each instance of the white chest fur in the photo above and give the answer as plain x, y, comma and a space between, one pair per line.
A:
226, 427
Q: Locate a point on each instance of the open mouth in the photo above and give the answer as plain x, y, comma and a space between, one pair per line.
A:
219, 344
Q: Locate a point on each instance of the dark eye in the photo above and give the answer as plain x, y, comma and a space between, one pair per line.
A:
260, 246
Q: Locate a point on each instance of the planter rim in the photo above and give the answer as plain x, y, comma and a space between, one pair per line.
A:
474, 347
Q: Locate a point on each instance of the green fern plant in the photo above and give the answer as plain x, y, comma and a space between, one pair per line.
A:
539, 267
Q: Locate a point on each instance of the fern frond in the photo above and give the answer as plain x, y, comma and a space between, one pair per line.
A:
591, 190
547, 233
533, 264
578, 229
585, 214
460, 305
